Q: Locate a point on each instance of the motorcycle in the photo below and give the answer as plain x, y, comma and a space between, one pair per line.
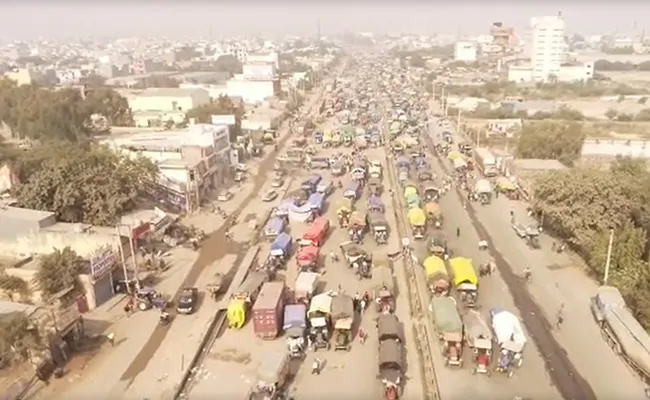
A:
165, 318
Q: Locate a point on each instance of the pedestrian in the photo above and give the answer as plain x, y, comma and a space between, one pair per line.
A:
559, 317
315, 366
405, 245
496, 194
128, 308
111, 339
458, 232
362, 336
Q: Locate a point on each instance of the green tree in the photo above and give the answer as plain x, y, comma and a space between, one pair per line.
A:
93, 80
582, 205
228, 63
93, 185
59, 271
17, 336
560, 141
109, 104
221, 106
161, 81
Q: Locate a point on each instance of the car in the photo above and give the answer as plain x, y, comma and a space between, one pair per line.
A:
270, 195
188, 300
277, 182
224, 196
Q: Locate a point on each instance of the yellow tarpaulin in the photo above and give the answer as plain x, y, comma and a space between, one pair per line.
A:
344, 205
236, 313
410, 190
454, 155
463, 271
505, 184
434, 266
417, 217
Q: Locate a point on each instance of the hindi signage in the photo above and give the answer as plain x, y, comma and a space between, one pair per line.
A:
102, 261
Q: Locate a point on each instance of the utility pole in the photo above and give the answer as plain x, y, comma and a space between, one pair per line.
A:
458, 121
123, 259
608, 261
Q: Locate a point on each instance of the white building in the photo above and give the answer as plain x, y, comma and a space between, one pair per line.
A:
548, 55
466, 51
549, 48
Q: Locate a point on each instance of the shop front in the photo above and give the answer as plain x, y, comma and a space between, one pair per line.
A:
103, 268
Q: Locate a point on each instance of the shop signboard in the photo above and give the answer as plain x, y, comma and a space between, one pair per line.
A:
102, 261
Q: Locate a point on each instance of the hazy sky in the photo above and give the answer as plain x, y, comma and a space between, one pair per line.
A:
33, 18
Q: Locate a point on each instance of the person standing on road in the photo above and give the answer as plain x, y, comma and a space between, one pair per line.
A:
406, 243
559, 317
111, 339
458, 232
315, 366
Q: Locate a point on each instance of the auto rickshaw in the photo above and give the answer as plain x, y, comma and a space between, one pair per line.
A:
343, 211
431, 193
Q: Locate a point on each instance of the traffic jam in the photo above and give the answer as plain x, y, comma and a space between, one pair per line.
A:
362, 200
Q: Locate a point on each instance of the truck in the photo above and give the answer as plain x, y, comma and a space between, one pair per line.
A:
486, 161
623, 333
268, 310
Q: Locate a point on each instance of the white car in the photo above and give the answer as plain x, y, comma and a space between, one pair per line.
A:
277, 182
224, 196
270, 195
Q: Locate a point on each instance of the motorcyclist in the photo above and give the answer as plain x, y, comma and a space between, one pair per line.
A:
164, 316
339, 184
528, 274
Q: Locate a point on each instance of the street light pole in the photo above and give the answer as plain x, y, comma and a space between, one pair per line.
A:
608, 261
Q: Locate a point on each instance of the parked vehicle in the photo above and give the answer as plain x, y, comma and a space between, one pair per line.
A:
268, 310
187, 301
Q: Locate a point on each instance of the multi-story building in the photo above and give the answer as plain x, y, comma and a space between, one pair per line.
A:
466, 51
548, 47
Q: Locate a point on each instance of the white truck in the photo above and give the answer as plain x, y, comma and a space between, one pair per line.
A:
486, 161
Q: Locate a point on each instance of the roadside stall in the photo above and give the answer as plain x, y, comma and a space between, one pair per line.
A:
437, 276
465, 280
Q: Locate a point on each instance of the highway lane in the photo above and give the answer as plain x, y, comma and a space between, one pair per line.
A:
531, 380
563, 374
558, 282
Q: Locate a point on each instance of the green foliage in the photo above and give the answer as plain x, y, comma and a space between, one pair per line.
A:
606, 65
505, 112
17, 336
582, 205
560, 141
12, 285
161, 81
221, 106
228, 63
59, 271
93, 185
543, 91
41, 114
617, 50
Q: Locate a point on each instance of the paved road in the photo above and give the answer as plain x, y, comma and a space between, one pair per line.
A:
557, 281
155, 357
237, 353
531, 380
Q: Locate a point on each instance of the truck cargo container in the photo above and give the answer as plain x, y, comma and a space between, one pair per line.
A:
268, 310
486, 161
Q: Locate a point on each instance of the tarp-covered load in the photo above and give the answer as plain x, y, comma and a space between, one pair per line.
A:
417, 217
413, 201
281, 246
275, 226
508, 330
463, 271
315, 201
445, 316
342, 307
483, 186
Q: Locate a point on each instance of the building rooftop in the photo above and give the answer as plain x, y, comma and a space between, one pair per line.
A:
197, 135
169, 92
538, 165
9, 307
24, 214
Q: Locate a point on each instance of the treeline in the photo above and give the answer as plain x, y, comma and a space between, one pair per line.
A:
42, 114
583, 205
606, 65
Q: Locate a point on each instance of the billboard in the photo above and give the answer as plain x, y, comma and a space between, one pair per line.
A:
102, 261
222, 119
